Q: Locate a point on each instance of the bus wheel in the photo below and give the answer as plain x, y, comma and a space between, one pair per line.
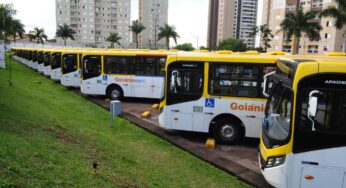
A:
228, 132
115, 93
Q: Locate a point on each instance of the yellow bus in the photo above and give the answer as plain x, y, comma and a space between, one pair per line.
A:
219, 94
303, 138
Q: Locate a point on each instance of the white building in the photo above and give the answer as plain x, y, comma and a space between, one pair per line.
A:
153, 14
231, 19
94, 20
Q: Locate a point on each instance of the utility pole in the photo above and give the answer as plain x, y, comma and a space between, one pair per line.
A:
155, 32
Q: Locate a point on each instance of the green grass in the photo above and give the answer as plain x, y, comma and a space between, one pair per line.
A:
50, 136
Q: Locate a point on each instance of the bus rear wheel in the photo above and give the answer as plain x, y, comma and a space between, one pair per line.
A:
115, 93
228, 132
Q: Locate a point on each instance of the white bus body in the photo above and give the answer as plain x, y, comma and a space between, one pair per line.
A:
72, 79
197, 115
132, 86
55, 74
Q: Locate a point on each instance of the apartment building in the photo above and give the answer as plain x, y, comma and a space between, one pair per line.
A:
94, 20
153, 14
231, 19
331, 38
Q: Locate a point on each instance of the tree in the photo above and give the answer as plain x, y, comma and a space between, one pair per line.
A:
232, 44
113, 38
16, 27
265, 34
168, 32
137, 28
65, 32
338, 13
6, 17
203, 48
38, 35
185, 47
299, 23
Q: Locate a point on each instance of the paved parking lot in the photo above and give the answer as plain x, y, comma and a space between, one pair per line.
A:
240, 160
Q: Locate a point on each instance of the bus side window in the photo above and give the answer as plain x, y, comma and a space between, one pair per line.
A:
233, 80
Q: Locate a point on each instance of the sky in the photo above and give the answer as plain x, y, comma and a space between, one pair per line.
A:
190, 17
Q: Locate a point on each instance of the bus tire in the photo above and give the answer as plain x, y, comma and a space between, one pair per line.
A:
228, 131
115, 92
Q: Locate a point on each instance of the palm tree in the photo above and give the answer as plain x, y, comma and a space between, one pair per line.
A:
113, 38
168, 32
16, 27
38, 34
265, 34
65, 32
137, 28
298, 23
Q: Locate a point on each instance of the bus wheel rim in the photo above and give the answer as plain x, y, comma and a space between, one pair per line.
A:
227, 132
115, 94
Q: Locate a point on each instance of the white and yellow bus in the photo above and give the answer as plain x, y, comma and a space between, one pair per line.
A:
303, 139
120, 74
215, 93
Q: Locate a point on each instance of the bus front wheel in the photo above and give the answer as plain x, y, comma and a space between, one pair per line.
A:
228, 131
115, 93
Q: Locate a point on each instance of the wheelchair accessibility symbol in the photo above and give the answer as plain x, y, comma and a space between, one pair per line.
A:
209, 103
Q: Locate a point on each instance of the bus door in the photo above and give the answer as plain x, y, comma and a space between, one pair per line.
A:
185, 87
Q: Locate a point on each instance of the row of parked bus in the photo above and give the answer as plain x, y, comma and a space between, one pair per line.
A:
301, 126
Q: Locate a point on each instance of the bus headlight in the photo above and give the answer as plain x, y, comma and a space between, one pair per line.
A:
275, 161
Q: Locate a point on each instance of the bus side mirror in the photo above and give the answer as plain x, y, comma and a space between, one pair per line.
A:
265, 84
312, 109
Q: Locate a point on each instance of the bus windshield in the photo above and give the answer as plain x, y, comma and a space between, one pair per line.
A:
56, 60
40, 58
69, 63
277, 120
91, 67
34, 56
331, 112
47, 59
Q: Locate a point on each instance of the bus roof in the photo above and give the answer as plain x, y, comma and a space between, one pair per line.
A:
215, 57
128, 53
312, 64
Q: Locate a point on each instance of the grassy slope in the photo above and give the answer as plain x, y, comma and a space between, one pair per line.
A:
50, 136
